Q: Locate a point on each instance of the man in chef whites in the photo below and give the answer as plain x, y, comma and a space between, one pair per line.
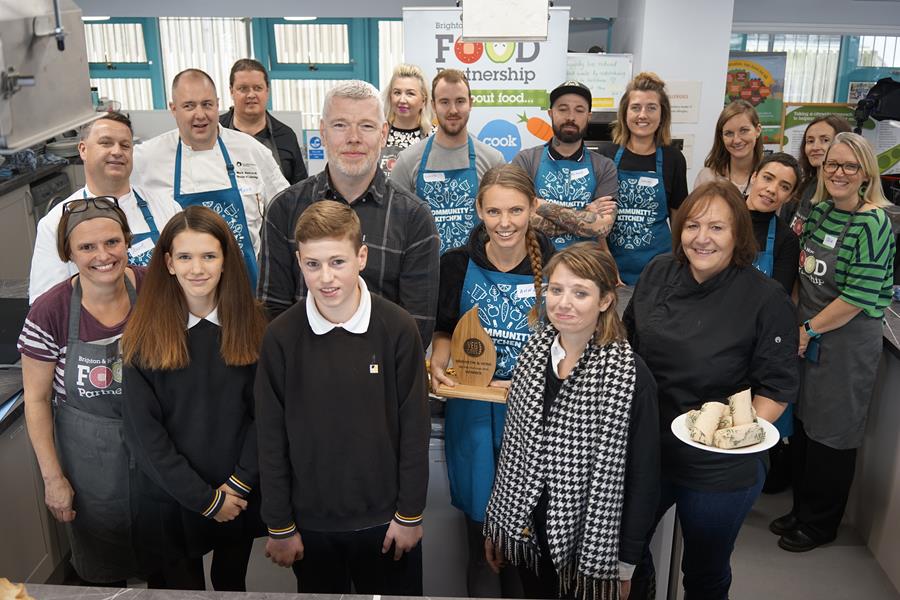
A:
106, 151
201, 162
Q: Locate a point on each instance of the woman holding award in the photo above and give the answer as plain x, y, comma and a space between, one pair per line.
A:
500, 270
572, 375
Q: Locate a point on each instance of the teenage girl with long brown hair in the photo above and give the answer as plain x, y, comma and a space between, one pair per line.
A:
190, 352
500, 270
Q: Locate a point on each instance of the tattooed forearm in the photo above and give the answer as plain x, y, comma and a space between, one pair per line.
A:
582, 223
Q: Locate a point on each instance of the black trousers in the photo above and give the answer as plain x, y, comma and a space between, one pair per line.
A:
822, 479
332, 560
481, 582
228, 572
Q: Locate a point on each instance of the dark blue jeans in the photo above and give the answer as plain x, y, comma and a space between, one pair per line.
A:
710, 522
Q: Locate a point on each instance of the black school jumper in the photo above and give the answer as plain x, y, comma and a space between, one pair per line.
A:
344, 428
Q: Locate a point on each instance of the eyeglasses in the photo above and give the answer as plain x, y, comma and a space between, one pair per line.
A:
81, 204
849, 168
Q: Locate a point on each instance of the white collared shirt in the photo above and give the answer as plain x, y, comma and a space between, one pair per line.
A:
358, 323
47, 269
259, 177
557, 354
212, 317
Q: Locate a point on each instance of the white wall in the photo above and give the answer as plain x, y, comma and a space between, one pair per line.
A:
875, 509
299, 8
586, 33
819, 16
665, 37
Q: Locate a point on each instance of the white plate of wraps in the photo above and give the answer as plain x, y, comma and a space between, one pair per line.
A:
681, 431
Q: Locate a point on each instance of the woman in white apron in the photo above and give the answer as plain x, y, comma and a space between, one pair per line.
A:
845, 283
72, 372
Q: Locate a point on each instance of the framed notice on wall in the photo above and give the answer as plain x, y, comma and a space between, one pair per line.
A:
605, 74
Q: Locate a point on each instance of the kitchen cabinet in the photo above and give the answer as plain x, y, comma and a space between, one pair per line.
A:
33, 543
17, 233
75, 173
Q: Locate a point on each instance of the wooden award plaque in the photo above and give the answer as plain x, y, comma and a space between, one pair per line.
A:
474, 360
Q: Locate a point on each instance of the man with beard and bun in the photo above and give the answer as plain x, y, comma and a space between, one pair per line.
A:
397, 227
576, 187
445, 168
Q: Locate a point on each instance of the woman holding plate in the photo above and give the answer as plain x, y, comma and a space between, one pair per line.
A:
681, 321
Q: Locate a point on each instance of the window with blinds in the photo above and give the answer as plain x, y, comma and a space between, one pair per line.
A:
390, 50
210, 44
812, 62
879, 51
116, 50
122, 70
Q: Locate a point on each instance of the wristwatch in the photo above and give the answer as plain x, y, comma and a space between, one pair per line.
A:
809, 330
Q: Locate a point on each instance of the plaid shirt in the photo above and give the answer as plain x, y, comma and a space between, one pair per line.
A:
397, 227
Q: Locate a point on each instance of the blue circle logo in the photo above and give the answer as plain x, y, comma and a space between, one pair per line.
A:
315, 142
502, 135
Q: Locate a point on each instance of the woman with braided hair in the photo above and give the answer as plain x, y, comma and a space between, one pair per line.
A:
578, 479
500, 270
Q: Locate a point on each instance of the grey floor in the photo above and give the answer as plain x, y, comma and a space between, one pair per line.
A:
842, 570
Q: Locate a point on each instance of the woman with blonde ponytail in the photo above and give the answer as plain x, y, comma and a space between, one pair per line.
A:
500, 270
573, 375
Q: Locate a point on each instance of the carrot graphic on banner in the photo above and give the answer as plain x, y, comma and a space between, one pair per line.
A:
537, 127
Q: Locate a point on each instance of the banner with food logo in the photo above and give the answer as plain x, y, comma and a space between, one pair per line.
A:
758, 78
510, 81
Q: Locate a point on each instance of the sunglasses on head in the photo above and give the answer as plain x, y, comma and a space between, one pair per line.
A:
81, 204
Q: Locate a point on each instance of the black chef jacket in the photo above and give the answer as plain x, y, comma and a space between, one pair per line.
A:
704, 342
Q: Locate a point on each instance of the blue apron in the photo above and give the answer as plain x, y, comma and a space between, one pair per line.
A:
474, 429
227, 203
140, 252
451, 196
765, 263
569, 183
765, 260
641, 230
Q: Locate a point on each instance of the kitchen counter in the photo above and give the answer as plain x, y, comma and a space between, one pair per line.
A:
67, 592
13, 183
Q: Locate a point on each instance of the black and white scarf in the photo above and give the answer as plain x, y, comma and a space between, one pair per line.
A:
578, 454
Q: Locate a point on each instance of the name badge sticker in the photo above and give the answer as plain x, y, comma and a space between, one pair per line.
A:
432, 177
578, 174
525, 290
647, 181
141, 247
830, 241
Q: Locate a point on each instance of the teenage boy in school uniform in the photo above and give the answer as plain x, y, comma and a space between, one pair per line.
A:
343, 421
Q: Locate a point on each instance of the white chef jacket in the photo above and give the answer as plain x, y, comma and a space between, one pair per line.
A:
47, 269
259, 177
